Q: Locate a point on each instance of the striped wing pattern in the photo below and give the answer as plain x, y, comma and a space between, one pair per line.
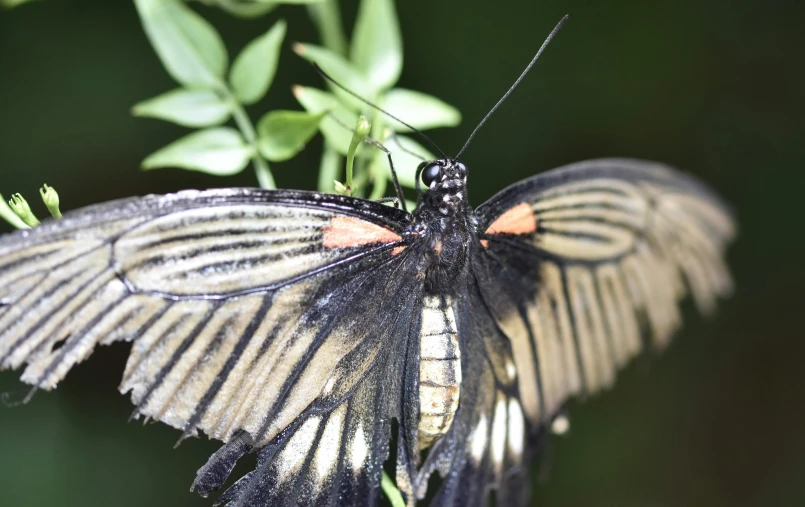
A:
248, 319
577, 258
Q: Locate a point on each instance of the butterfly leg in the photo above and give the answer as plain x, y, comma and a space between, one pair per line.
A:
215, 472
384, 200
397, 187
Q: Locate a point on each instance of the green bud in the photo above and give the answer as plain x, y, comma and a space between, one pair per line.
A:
51, 200
362, 128
21, 208
7, 214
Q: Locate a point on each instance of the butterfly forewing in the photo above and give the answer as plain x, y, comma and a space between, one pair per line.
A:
572, 260
264, 314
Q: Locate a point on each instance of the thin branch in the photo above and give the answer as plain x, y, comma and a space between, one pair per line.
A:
264, 176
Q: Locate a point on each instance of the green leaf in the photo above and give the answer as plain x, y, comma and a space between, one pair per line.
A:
329, 168
391, 491
340, 69
283, 134
220, 151
290, 2
377, 43
254, 68
254, 8
8, 214
337, 133
419, 110
13, 3
326, 15
188, 46
187, 107
246, 10
404, 163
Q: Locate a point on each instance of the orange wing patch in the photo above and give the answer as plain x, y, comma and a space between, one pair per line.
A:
350, 232
517, 220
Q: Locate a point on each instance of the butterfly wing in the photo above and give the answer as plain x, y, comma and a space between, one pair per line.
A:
261, 318
571, 262
333, 453
567, 266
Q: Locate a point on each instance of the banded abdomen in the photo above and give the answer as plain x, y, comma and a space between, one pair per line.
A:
439, 369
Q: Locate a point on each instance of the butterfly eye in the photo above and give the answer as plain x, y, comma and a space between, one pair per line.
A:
430, 172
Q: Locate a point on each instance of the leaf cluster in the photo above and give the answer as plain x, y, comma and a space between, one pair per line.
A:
370, 66
213, 92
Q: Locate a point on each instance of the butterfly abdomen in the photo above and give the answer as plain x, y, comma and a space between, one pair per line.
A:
439, 369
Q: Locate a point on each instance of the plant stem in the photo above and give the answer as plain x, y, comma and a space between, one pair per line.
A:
264, 176
327, 18
360, 132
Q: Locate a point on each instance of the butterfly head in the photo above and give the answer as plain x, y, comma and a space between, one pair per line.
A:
446, 182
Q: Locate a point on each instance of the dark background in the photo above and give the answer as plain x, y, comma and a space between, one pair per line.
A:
713, 87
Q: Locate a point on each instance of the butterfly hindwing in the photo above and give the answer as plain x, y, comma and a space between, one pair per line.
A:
333, 453
261, 318
573, 261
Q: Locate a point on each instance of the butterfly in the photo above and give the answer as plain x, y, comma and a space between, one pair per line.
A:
314, 329
301, 324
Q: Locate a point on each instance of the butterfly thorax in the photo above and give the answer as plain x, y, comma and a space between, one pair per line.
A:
444, 220
447, 189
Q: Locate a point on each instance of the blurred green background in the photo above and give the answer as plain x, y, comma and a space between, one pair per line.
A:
714, 87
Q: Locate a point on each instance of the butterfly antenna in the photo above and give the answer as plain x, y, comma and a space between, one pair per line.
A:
396, 139
370, 104
522, 75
